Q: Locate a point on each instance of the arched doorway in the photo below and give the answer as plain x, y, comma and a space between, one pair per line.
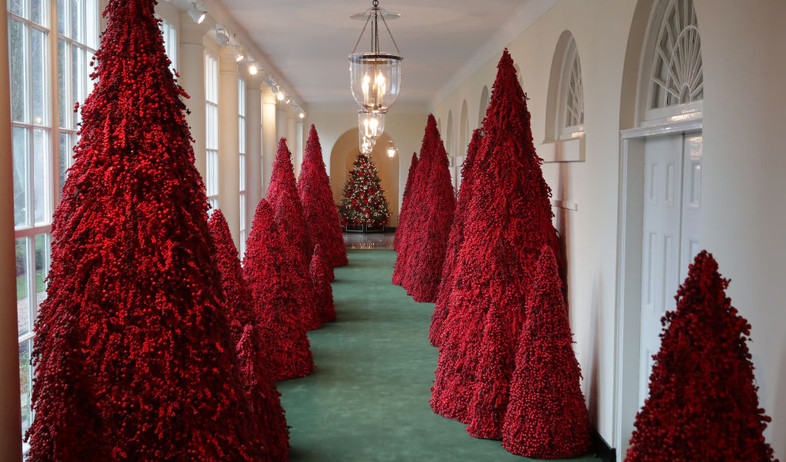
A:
343, 155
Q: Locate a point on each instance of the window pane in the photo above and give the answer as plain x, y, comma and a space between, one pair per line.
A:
24, 320
20, 159
39, 77
62, 25
18, 7
76, 21
91, 23
41, 270
66, 156
77, 83
62, 84
38, 12
19, 76
25, 383
41, 169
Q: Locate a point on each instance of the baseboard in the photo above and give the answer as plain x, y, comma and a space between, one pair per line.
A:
605, 452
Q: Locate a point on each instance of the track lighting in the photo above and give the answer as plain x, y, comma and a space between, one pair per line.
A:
222, 35
302, 114
252, 68
197, 12
280, 95
239, 54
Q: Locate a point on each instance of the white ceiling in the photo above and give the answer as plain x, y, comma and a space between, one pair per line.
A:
308, 41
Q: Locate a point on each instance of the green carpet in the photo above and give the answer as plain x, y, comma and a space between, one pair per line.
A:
367, 399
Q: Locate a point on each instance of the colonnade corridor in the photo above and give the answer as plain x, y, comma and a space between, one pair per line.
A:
367, 399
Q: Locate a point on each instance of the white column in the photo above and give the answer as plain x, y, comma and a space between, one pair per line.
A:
253, 147
10, 406
269, 136
228, 161
192, 79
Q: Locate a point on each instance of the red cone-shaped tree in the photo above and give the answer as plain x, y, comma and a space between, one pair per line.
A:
132, 352
508, 222
546, 415
702, 404
295, 245
263, 397
321, 278
405, 201
319, 211
430, 241
455, 240
283, 333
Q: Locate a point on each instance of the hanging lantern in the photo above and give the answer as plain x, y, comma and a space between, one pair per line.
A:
366, 145
371, 124
375, 76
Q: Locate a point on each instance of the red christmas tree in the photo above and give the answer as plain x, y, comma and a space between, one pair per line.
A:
702, 404
132, 352
508, 222
405, 203
364, 202
455, 240
263, 397
320, 275
429, 241
546, 415
283, 334
319, 211
295, 244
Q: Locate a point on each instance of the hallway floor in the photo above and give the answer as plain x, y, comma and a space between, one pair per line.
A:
367, 399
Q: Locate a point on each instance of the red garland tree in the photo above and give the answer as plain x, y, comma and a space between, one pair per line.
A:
702, 404
132, 352
429, 241
319, 211
546, 417
320, 275
402, 216
263, 397
508, 222
455, 240
364, 202
283, 333
295, 244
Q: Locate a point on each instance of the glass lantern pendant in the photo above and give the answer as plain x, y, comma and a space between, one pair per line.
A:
375, 76
365, 145
371, 124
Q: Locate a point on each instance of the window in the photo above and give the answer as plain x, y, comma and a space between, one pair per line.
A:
170, 43
570, 123
241, 152
44, 133
211, 128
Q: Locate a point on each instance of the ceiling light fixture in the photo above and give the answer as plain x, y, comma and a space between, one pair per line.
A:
392, 151
280, 95
371, 124
375, 76
239, 54
222, 35
197, 12
302, 114
252, 68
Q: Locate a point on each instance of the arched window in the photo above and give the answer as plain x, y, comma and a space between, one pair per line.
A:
570, 103
463, 131
484, 103
447, 135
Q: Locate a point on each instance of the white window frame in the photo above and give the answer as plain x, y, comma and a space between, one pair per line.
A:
211, 129
571, 95
241, 152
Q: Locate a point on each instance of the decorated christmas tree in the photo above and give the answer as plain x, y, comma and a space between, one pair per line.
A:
507, 224
283, 334
263, 397
455, 240
319, 211
295, 243
702, 403
546, 416
320, 275
132, 351
364, 202
401, 230
434, 216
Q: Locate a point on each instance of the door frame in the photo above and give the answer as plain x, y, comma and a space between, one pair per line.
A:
629, 260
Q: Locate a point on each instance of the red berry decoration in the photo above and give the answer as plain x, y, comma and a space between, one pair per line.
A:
405, 204
702, 404
263, 397
546, 416
319, 211
132, 353
283, 334
320, 275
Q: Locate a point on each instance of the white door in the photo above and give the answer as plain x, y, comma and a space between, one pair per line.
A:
672, 228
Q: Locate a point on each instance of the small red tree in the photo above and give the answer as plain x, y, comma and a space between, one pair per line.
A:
283, 334
702, 403
321, 278
263, 397
132, 352
430, 240
295, 244
546, 416
405, 201
319, 211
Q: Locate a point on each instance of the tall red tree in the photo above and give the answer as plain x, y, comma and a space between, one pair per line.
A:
132, 352
405, 201
702, 403
283, 333
320, 275
295, 244
263, 397
508, 222
546, 416
430, 241
319, 210
455, 240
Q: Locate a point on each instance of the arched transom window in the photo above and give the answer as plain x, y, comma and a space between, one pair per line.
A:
571, 99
